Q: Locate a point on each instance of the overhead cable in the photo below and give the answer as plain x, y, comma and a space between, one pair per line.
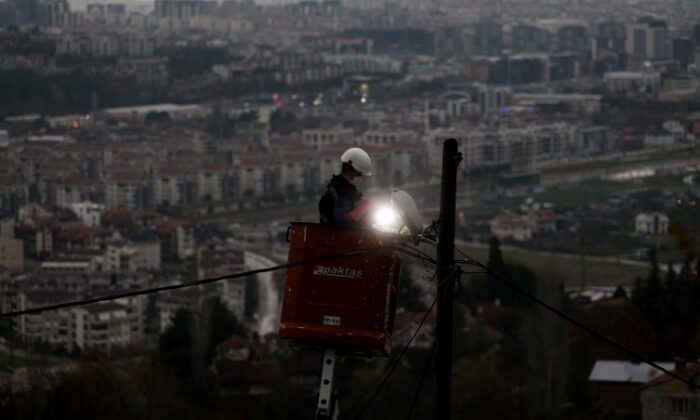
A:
153, 290
589, 330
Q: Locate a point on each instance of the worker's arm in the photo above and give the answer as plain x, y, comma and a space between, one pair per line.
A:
342, 207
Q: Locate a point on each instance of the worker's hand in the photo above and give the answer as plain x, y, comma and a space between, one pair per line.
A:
359, 212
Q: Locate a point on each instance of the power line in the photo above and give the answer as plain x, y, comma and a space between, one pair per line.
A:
454, 274
422, 378
404, 332
576, 323
423, 254
396, 363
149, 291
401, 334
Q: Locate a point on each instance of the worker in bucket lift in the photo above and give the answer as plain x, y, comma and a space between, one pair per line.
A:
342, 205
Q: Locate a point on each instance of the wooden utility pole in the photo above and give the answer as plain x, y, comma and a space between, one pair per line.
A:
445, 259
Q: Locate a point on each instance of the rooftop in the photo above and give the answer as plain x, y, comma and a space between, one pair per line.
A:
625, 371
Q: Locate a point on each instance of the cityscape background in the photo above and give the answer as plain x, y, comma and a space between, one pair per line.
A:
146, 144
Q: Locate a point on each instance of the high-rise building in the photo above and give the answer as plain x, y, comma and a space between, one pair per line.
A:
27, 11
54, 13
608, 47
453, 41
648, 40
8, 13
572, 37
683, 51
609, 37
178, 9
489, 37
530, 39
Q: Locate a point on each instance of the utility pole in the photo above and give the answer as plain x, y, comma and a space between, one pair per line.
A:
445, 266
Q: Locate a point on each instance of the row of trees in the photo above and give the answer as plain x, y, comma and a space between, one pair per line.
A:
669, 304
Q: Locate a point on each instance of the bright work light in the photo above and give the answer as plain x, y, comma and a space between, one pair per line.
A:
401, 217
387, 219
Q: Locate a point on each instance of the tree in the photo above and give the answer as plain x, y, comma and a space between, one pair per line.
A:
551, 356
489, 287
647, 294
620, 293
224, 324
174, 344
189, 344
670, 276
485, 393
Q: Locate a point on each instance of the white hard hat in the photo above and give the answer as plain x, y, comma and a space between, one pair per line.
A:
358, 159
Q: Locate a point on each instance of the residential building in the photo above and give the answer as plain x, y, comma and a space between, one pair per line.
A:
103, 325
259, 175
388, 136
299, 172
37, 239
177, 238
616, 383
12, 254
14, 193
321, 137
140, 46
128, 192
69, 266
176, 183
492, 99
7, 227
218, 258
361, 63
51, 327
217, 182
330, 162
665, 397
90, 214
542, 220
511, 226
593, 140
77, 190
4, 139
651, 223
522, 146
121, 255
632, 82
147, 246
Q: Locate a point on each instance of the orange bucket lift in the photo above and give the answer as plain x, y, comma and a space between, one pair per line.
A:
346, 305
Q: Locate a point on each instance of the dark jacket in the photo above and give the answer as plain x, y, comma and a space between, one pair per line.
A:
340, 198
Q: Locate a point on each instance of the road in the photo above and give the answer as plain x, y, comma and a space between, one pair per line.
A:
268, 295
